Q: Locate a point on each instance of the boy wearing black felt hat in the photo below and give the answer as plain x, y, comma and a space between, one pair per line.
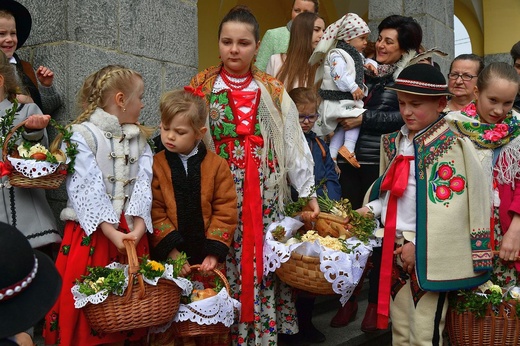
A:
29, 286
15, 27
434, 212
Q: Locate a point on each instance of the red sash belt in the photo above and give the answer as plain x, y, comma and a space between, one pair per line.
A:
395, 181
253, 230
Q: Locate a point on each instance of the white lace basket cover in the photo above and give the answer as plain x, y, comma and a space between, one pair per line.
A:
342, 270
219, 308
80, 300
33, 168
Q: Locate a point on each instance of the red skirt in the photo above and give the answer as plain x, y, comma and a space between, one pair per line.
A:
64, 324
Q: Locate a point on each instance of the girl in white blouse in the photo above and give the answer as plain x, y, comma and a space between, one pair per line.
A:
109, 194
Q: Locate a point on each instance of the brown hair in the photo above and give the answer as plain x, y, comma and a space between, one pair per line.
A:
10, 84
497, 70
180, 102
296, 67
302, 95
241, 14
6, 14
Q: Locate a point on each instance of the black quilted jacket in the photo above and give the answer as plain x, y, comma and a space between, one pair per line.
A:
382, 116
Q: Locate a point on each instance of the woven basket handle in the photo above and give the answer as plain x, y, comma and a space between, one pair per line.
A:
8, 138
219, 274
133, 271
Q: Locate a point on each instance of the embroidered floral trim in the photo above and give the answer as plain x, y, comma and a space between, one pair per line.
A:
220, 233
161, 228
445, 183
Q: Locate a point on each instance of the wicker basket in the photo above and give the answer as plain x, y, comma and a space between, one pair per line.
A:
191, 329
466, 329
145, 306
304, 272
17, 179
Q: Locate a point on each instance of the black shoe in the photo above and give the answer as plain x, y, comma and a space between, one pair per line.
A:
313, 335
292, 339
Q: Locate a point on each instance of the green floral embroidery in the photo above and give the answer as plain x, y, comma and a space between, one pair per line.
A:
228, 112
65, 249
257, 129
160, 228
444, 182
85, 241
92, 250
217, 132
220, 233
222, 152
229, 129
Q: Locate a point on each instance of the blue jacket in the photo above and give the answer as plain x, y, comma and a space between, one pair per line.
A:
323, 167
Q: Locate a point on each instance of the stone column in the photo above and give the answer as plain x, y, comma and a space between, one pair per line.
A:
157, 38
435, 18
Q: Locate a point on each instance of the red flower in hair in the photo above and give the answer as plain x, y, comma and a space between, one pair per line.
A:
197, 92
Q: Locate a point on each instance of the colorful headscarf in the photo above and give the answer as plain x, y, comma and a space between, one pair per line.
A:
487, 136
346, 28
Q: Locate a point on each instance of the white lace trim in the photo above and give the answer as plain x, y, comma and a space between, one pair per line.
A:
220, 308
89, 199
80, 300
342, 270
141, 201
32, 168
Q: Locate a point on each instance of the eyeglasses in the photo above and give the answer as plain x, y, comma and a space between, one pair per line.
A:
465, 76
310, 117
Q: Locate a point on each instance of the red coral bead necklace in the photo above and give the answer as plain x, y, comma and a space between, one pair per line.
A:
236, 85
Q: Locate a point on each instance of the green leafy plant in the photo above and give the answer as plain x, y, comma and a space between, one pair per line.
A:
361, 226
71, 149
102, 278
178, 263
480, 299
6, 125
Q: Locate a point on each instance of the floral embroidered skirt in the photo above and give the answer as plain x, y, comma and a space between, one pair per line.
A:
64, 324
274, 309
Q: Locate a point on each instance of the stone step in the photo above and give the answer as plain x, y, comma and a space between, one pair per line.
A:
327, 306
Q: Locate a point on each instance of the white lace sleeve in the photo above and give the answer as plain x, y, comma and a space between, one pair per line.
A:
87, 191
140, 203
298, 156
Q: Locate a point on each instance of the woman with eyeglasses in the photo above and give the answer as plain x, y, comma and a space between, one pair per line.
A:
462, 79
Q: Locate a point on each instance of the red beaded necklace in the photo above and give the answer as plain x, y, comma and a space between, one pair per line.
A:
236, 85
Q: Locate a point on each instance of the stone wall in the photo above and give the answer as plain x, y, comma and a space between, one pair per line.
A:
157, 38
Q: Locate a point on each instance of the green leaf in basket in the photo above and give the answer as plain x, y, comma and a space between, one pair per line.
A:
101, 278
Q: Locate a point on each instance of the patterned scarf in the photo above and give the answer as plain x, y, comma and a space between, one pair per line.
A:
485, 136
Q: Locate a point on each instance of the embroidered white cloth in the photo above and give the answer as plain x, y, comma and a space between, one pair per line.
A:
342, 270
219, 308
33, 168
80, 299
